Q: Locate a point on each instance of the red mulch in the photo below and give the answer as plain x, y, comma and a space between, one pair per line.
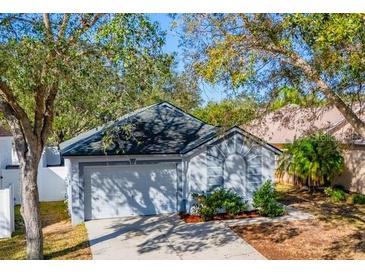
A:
191, 219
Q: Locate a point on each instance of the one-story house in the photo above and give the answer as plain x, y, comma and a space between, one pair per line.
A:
291, 122
152, 160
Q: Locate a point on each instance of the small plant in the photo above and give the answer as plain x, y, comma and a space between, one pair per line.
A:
358, 199
335, 194
232, 203
264, 199
221, 200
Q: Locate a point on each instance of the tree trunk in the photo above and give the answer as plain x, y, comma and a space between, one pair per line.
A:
29, 149
30, 207
350, 116
346, 111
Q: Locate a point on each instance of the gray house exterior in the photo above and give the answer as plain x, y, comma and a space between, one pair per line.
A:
152, 160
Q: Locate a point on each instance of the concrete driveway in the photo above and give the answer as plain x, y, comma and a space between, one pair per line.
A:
165, 237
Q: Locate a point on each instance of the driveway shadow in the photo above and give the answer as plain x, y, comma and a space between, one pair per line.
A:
156, 232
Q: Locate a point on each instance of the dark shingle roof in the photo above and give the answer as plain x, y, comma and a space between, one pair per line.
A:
158, 129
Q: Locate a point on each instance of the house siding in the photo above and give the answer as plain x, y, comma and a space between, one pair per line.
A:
353, 176
197, 172
203, 173
196, 179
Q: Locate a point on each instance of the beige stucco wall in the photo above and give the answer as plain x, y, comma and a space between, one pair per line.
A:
353, 177
284, 178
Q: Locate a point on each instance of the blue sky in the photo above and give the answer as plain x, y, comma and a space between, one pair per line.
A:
209, 93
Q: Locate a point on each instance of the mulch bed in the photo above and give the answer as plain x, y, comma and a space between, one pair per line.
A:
336, 232
191, 219
305, 240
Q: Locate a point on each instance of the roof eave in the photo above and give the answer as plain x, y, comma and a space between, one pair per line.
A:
228, 131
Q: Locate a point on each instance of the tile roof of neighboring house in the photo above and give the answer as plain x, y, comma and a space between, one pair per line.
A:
291, 122
4, 132
158, 129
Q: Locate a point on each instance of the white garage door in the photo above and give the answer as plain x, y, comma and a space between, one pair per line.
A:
118, 191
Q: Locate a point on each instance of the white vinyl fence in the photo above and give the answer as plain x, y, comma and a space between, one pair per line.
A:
6, 212
51, 183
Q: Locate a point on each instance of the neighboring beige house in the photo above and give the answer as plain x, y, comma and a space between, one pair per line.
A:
290, 122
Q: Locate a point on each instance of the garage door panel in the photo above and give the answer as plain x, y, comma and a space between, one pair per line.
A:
117, 191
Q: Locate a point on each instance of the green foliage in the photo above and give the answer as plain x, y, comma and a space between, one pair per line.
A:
258, 53
336, 194
358, 199
209, 205
100, 73
314, 159
329, 36
228, 113
179, 89
289, 95
265, 201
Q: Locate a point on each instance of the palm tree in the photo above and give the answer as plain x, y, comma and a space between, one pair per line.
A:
313, 160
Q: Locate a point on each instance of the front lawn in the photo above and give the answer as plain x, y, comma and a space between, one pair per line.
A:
337, 232
61, 239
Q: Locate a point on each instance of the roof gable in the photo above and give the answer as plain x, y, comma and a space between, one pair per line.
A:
227, 133
158, 129
291, 122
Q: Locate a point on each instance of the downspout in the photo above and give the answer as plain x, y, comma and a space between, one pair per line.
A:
185, 186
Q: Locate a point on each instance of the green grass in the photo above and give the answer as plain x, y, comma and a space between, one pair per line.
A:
61, 239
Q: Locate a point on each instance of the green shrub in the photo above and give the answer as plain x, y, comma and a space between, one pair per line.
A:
336, 194
225, 200
264, 199
358, 199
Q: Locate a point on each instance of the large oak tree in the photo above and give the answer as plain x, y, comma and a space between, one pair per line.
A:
260, 54
69, 72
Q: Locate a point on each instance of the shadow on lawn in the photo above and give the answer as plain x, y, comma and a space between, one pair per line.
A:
310, 239
343, 247
337, 232
67, 251
274, 232
318, 204
61, 239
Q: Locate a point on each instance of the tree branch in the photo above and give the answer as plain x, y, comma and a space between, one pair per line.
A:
39, 110
62, 31
291, 57
47, 25
331, 95
85, 27
18, 111
48, 113
15, 128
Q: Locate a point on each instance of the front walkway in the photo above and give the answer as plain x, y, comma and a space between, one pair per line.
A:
165, 237
293, 214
